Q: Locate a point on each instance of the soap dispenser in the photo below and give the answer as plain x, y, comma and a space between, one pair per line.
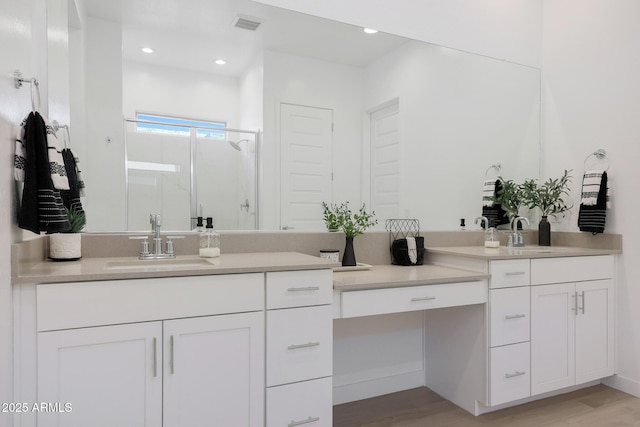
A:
491, 238
209, 241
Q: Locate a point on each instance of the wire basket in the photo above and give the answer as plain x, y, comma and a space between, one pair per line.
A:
401, 229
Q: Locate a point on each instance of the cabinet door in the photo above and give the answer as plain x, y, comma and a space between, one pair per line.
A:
594, 330
214, 371
553, 320
110, 375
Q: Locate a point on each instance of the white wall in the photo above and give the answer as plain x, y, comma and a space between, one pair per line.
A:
591, 100
504, 29
23, 46
315, 83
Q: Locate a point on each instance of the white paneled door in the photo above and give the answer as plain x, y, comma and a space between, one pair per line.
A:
306, 165
385, 161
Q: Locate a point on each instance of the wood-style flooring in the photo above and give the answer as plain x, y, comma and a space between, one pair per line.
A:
597, 406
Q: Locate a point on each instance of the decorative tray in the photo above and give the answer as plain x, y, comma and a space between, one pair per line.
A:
359, 266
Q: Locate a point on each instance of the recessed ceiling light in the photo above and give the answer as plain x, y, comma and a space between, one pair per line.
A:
147, 50
370, 31
220, 61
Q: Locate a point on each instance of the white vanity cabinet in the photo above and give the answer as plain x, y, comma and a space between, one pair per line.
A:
143, 352
299, 348
549, 320
572, 322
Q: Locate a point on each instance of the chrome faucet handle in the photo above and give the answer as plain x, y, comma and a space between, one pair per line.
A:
170, 240
144, 248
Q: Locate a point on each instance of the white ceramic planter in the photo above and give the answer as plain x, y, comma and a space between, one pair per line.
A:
65, 246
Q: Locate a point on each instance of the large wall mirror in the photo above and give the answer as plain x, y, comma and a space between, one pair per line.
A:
311, 110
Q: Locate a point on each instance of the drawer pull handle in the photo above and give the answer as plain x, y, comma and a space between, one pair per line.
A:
515, 374
297, 346
514, 316
307, 288
422, 299
307, 421
515, 273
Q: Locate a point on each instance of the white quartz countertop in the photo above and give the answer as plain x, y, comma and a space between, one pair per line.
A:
393, 276
504, 252
110, 268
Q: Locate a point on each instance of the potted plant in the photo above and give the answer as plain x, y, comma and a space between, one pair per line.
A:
330, 216
67, 245
549, 197
352, 224
510, 197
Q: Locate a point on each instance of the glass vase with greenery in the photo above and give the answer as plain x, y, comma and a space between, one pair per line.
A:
550, 196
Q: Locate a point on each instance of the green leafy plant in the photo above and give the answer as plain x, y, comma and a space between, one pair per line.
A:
511, 197
342, 218
330, 216
549, 196
77, 219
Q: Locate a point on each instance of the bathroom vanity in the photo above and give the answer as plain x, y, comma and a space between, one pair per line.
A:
279, 338
233, 342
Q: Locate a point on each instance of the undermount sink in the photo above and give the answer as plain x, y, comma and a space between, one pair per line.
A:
164, 264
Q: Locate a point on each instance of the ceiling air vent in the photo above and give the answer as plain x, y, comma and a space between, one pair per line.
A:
246, 22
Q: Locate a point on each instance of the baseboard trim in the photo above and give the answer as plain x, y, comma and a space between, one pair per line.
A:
624, 384
377, 387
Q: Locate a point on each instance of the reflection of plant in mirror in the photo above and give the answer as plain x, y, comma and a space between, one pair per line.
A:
330, 216
77, 219
549, 196
510, 197
341, 217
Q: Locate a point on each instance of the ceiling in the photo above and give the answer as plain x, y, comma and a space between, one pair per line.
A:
191, 34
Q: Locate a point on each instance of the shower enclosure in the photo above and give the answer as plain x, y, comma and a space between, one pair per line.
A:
182, 172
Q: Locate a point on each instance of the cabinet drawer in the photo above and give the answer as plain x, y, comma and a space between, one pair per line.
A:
509, 272
299, 288
571, 269
308, 403
412, 298
509, 315
83, 304
299, 344
510, 373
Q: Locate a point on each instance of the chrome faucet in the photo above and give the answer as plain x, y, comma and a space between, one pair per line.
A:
486, 221
516, 240
156, 224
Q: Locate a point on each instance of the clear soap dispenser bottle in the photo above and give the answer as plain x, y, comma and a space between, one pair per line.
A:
491, 238
209, 241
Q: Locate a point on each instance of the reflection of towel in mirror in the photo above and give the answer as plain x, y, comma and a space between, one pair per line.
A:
493, 212
489, 192
71, 197
593, 217
41, 208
